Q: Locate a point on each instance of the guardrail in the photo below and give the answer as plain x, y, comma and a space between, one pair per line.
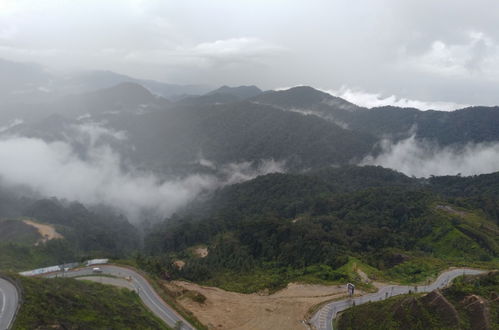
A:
63, 267
20, 294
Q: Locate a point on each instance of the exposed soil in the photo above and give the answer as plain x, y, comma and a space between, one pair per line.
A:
450, 210
285, 309
179, 264
201, 252
48, 232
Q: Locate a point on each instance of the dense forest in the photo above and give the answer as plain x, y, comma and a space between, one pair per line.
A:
310, 225
87, 233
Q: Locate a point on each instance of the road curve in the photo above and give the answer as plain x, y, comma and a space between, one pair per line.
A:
146, 292
9, 298
323, 318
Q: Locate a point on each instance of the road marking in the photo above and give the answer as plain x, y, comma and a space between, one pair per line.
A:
154, 303
3, 303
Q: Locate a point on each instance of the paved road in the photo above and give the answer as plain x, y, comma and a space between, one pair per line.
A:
148, 295
9, 299
323, 319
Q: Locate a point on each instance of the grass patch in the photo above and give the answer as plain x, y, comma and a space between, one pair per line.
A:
72, 304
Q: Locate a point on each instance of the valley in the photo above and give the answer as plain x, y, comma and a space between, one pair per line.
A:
239, 208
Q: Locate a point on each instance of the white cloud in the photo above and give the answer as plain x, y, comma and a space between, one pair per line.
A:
57, 169
97, 179
240, 172
477, 56
422, 158
225, 51
92, 132
370, 100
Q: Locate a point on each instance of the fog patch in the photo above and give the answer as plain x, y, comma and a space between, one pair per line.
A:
100, 177
240, 172
327, 117
92, 132
422, 158
54, 169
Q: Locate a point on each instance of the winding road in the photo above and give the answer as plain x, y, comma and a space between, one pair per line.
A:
145, 291
323, 318
9, 298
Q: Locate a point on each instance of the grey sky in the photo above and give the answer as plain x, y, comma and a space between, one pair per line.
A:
423, 50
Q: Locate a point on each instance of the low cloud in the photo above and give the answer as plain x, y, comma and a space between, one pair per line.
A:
54, 169
423, 159
93, 132
240, 172
371, 100
57, 169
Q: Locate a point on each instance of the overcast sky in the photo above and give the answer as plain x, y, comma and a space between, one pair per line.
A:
413, 52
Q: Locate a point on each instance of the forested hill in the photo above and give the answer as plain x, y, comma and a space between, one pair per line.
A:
301, 127
288, 224
473, 124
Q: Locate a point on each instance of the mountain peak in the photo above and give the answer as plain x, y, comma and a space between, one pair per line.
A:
242, 92
302, 97
126, 92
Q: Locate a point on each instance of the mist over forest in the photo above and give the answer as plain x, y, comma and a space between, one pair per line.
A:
147, 149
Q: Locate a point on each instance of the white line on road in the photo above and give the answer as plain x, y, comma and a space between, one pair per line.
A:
3, 303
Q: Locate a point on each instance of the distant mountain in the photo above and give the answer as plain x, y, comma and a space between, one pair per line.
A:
124, 94
242, 92
23, 80
224, 94
30, 83
473, 124
303, 97
94, 80
208, 99
238, 132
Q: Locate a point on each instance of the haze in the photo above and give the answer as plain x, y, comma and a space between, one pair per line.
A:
432, 54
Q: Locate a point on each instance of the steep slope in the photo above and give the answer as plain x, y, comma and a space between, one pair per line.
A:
283, 227
71, 304
238, 132
470, 303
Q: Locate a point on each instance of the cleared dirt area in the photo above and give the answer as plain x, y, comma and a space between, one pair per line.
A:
179, 264
285, 309
48, 232
201, 252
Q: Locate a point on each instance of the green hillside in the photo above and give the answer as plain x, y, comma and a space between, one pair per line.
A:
16, 231
293, 227
87, 233
470, 303
74, 304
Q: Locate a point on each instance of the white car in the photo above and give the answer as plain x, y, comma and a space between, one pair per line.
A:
96, 270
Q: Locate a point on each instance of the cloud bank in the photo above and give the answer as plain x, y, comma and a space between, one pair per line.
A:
423, 159
57, 169
371, 100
